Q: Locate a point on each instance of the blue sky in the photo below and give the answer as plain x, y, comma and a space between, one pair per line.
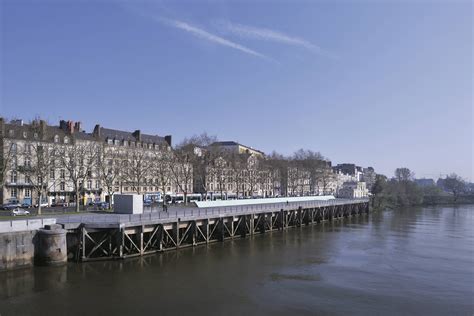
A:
382, 84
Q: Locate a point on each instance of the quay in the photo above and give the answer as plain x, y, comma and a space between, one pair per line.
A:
119, 236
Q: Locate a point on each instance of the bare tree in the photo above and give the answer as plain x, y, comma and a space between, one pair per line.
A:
182, 167
237, 166
454, 184
38, 160
138, 163
203, 160
79, 161
278, 166
108, 168
220, 173
264, 176
6, 158
251, 173
161, 170
403, 174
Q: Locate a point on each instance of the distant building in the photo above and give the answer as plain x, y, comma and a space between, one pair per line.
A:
353, 190
350, 169
238, 148
425, 182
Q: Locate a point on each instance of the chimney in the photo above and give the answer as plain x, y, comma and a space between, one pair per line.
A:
168, 139
78, 127
138, 135
96, 131
42, 124
70, 127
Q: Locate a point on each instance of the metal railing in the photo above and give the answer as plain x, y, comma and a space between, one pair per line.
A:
196, 213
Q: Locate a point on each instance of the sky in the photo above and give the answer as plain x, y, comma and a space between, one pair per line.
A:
385, 84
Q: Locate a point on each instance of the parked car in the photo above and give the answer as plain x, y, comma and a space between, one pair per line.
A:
19, 212
43, 204
102, 205
147, 202
11, 204
59, 204
25, 205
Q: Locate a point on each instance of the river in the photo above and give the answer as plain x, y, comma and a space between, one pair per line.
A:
414, 261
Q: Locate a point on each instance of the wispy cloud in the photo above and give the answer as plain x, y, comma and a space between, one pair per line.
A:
201, 33
266, 34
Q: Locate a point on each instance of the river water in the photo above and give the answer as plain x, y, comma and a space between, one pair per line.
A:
416, 261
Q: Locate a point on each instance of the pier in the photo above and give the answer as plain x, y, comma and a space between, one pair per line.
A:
119, 236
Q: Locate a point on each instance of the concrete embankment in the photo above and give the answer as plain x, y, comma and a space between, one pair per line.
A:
24, 243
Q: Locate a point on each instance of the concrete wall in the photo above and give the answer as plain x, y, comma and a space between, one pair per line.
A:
25, 224
17, 249
17, 241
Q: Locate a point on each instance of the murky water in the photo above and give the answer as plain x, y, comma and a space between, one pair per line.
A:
417, 261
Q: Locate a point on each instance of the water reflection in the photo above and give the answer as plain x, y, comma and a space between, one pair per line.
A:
409, 261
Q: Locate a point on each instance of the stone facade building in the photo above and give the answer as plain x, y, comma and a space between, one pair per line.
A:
77, 162
353, 190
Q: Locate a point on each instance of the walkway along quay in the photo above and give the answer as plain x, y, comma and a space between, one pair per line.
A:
113, 236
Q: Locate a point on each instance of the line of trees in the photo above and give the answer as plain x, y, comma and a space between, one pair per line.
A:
402, 190
74, 165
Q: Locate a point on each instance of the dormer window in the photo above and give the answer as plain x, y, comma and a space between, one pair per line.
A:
25, 134
66, 140
35, 135
125, 143
109, 141
11, 133
116, 142
56, 138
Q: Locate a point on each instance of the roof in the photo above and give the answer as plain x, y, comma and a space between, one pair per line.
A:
223, 203
233, 143
106, 133
50, 131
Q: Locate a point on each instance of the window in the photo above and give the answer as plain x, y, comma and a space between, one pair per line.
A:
109, 141
11, 133
25, 134
97, 185
27, 192
35, 135
62, 186
14, 193
51, 173
13, 148
56, 138
116, 142
28, 179
66, 140
62, 174
28, 162
89, 184
125, 143
13, 177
